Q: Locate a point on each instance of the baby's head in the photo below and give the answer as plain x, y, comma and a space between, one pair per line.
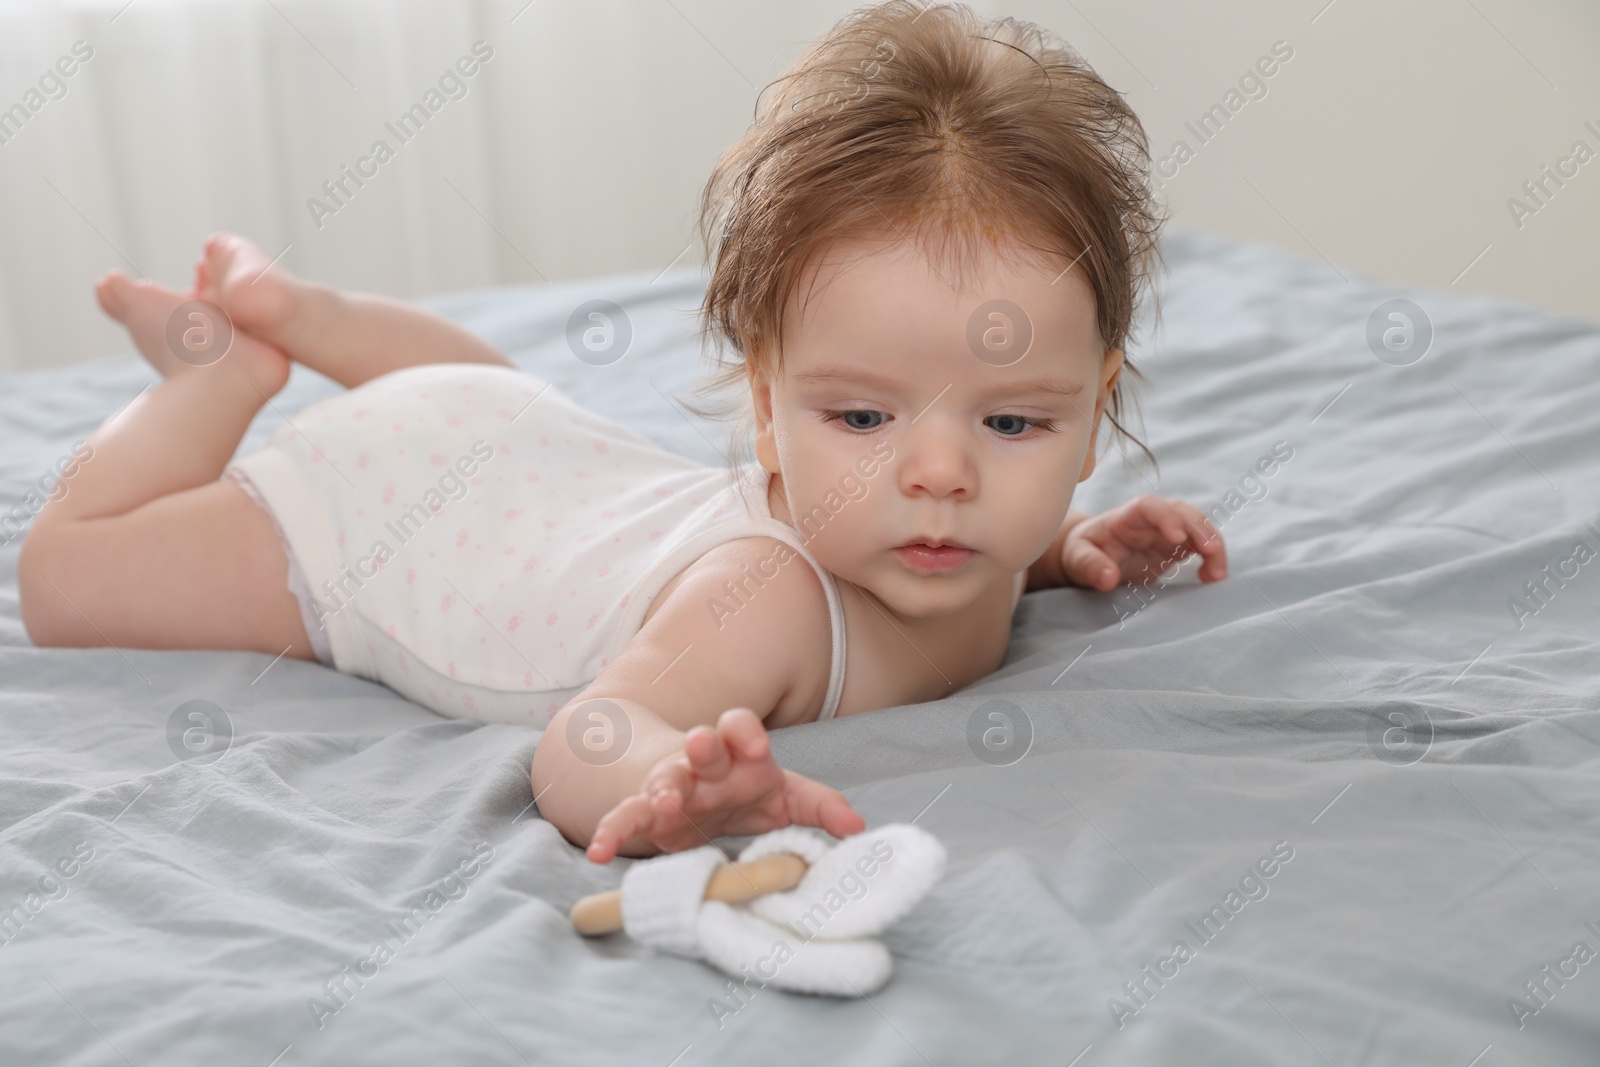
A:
926, 254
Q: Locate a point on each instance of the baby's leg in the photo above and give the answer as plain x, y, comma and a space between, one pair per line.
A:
147, 549
349, 337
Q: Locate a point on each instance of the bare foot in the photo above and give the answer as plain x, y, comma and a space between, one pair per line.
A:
142, 307
256, 293
145, 309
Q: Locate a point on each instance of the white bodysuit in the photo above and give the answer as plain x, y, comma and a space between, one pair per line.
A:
470, 537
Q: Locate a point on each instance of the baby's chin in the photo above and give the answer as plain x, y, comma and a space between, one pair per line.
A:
920, 597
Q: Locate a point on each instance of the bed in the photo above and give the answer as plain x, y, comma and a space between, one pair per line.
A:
1390, 705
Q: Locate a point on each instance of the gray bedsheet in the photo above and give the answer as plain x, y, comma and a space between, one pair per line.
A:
1360, 708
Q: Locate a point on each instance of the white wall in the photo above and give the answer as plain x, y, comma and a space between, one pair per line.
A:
1389, 143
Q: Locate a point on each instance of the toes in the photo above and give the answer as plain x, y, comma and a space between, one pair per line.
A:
220, 252
110, 300
214, 250
243, 280
230, 246
121, 295
142, 309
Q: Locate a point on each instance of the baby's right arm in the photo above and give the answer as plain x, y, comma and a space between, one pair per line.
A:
665, 749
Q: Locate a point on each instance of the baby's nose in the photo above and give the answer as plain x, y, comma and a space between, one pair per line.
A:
939, 465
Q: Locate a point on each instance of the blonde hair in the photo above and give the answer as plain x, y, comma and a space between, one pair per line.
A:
925, 123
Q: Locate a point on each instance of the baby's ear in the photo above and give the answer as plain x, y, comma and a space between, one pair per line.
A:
760, 391
1110, 371
766, 446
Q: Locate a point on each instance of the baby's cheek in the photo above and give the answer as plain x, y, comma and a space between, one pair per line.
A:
1029, 522
842, 536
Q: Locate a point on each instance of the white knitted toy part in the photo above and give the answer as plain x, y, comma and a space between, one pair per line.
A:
814, 938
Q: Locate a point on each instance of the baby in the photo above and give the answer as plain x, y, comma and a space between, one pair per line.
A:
926, 256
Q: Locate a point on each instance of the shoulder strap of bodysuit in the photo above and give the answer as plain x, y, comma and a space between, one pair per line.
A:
693, 547
830, 588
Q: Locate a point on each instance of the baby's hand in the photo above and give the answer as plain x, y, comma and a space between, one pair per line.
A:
725, 781
1138, 541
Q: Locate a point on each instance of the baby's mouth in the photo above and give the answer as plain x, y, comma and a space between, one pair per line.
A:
925, 559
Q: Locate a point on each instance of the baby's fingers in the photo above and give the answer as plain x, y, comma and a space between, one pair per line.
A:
669, 786
1164, 517
811, 803
742, 732
630, 818
707, 753
1207, 542
1085, 563
835, 815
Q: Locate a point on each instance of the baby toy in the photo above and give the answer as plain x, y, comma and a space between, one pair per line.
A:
797, 911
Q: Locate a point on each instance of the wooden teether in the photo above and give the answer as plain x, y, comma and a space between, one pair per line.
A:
601, 913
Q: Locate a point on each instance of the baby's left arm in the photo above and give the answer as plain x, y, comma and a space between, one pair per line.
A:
1132, 543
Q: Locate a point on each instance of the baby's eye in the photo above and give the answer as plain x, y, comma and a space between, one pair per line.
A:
1020, 422
845, 416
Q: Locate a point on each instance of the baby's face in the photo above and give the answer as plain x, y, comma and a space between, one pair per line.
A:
904, 414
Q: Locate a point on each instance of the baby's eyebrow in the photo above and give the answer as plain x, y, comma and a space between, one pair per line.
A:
1043, 385
1059, 386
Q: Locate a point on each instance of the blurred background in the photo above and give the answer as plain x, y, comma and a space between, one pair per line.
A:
1439, 143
